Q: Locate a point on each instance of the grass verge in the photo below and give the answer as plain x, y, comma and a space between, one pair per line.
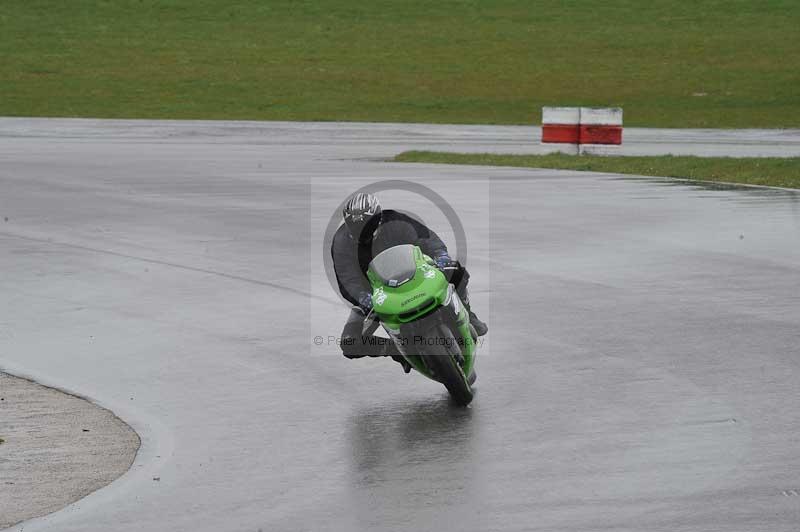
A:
768, 171
669, 63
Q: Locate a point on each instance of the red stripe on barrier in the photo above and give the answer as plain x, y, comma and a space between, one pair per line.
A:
561, 133
600, 135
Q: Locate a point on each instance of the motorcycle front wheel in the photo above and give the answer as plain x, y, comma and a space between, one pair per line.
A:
441, 361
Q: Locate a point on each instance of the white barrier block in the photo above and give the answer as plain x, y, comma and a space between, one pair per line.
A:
611, 116
561, 115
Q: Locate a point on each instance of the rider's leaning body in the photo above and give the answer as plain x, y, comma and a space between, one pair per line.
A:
368, 230
351, 257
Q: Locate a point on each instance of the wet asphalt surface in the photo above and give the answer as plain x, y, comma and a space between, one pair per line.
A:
642, 369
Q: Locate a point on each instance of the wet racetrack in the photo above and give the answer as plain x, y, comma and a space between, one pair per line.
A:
642, 369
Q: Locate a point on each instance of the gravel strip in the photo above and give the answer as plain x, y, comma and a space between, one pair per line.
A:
56, 449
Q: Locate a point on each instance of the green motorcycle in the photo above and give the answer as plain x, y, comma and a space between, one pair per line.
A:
423, 315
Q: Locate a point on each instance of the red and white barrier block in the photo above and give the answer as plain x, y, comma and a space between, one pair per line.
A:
582, 129
561, 125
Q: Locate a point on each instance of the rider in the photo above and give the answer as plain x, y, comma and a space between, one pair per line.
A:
367, 230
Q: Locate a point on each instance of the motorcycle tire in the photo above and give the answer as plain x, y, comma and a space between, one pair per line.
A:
443, 365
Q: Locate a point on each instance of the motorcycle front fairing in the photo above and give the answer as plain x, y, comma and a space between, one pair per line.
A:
413, 299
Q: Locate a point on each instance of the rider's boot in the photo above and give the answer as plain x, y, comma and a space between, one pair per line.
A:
381, 347
390, 350
480, 327
403, 362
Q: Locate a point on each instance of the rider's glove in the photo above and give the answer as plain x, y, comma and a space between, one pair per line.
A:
365, 302
443, 261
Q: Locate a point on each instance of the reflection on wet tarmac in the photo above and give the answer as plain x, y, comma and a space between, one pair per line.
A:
414, 458
409, 432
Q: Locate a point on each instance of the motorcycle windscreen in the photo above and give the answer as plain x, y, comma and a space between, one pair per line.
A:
395, 265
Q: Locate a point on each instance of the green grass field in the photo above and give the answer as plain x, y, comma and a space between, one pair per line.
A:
673, 63
775, 172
